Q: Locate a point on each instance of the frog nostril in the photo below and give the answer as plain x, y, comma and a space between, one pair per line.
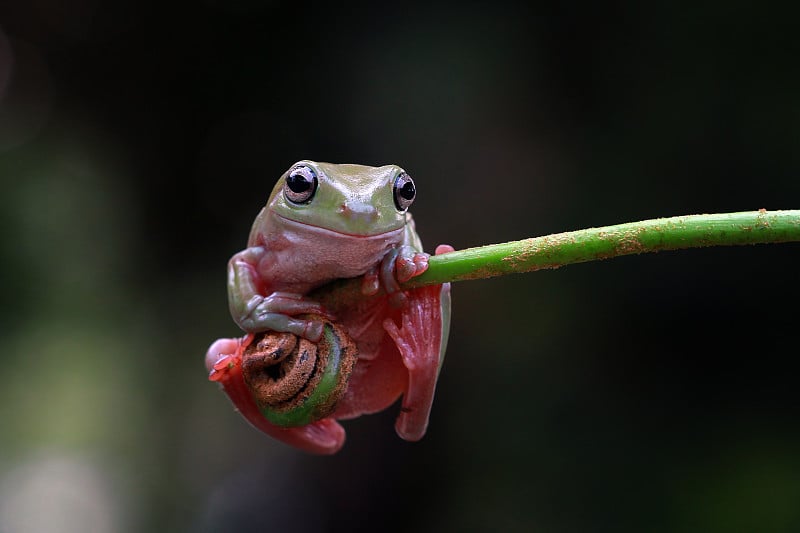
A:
358, 210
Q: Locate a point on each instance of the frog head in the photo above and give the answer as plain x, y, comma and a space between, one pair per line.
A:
353, 200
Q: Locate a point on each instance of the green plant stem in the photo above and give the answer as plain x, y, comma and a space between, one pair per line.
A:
557, 250
593, 244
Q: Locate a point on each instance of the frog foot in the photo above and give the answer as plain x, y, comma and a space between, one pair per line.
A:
409, 267
221, 358
444, 249
399, 265
221, 369
418, 338
278, 312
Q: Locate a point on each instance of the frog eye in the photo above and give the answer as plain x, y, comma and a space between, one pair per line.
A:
404, 191
301, 184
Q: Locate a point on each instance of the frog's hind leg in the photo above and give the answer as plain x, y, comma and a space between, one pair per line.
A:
224, 363
420, 343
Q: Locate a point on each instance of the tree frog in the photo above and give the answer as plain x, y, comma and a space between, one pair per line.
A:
324, 222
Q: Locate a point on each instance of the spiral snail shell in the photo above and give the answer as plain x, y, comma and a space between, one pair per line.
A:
294, 381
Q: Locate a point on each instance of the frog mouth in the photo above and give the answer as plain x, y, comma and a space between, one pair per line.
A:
334, 233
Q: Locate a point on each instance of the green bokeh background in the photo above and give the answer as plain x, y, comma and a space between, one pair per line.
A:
655, 393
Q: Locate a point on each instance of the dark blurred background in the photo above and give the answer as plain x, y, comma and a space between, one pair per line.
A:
653, 393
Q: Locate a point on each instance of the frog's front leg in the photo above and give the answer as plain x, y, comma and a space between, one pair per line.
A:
224, 363
399, 265
255, 307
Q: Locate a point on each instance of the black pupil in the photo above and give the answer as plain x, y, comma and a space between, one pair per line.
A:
407, 190
298, 183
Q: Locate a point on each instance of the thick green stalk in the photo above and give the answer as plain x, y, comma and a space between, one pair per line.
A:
553, 251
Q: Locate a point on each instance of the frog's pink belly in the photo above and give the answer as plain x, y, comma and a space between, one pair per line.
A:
375, 384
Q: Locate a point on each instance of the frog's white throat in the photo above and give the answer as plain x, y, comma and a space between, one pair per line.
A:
307, 256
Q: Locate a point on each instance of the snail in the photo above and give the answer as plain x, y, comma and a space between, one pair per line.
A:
294, 381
